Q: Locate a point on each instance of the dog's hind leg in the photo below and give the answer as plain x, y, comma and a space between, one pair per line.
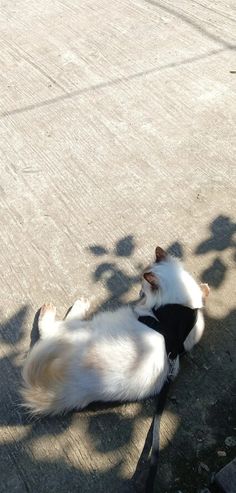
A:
78, 310
46, 323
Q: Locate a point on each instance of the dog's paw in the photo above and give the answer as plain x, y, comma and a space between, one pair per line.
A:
46, 320
79, 309
81, 305
48, 309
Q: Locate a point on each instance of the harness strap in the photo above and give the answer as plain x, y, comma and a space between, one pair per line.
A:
174, 322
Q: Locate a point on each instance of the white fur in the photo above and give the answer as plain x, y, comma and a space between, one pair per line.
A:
111, 357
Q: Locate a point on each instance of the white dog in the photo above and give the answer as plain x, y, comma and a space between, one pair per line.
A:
114, 356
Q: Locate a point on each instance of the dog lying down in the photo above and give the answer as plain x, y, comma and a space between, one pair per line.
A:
116, 356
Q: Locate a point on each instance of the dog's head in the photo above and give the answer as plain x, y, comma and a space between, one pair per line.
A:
166, 281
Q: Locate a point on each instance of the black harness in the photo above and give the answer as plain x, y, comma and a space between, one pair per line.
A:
174, 322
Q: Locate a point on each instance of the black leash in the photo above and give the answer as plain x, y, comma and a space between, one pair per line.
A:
160, 405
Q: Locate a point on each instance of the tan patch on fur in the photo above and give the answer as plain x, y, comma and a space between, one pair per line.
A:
52, 368
37, 400
44, 374
92, 361
54, 371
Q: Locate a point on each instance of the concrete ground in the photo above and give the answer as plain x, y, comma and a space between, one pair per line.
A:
117, 134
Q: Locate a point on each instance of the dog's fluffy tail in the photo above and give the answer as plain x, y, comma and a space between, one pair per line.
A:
44, 376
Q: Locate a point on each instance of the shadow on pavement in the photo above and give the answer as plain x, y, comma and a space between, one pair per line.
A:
202, 398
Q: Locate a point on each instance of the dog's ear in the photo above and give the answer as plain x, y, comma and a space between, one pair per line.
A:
151, 278
205, 290
160, 254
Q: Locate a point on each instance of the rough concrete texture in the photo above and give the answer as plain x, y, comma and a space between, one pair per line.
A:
117, 134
